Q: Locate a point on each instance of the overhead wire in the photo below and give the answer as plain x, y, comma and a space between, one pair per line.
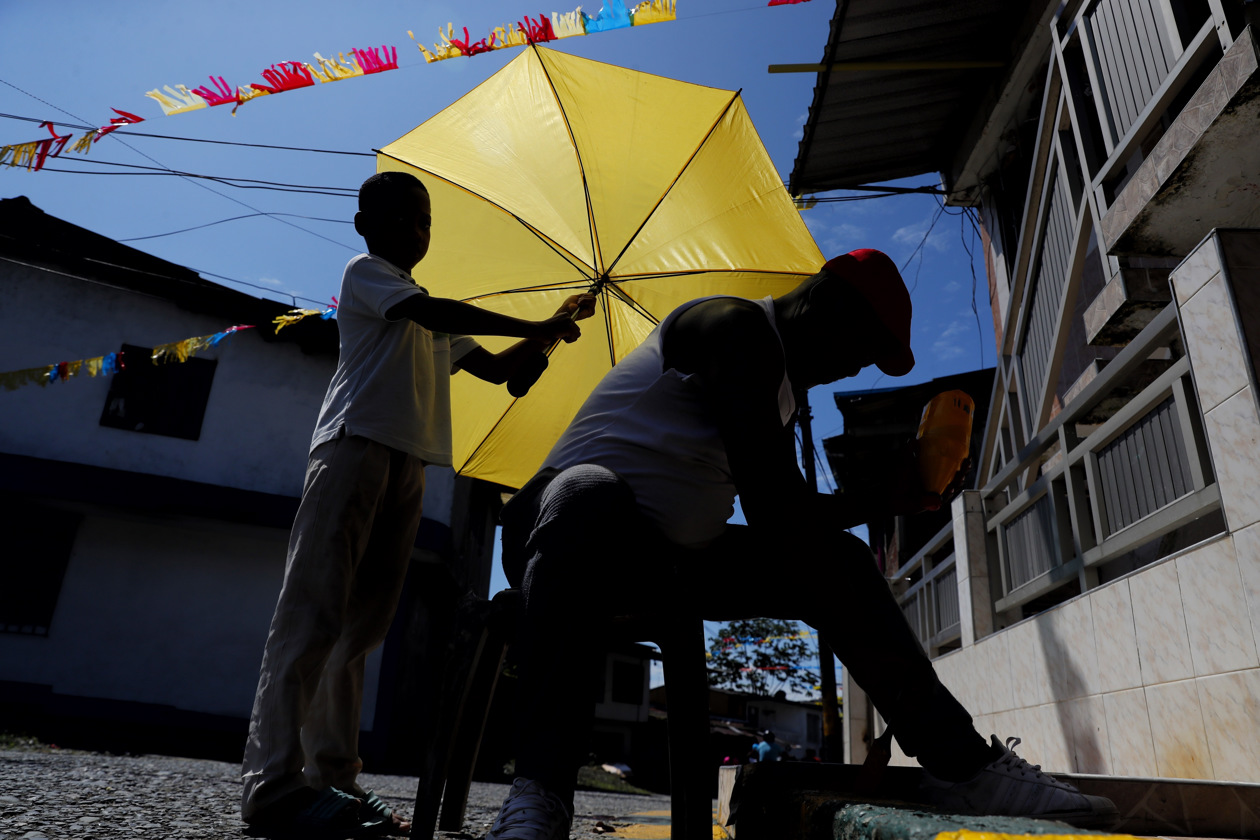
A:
231, 219
227, 181
193, 181
965, 215
196, 139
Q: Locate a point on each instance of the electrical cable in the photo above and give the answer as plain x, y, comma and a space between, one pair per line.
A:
195, 139
232, 219
239, 183
193, 181
294, 298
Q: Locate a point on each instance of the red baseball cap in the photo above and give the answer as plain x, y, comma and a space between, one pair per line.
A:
875, 277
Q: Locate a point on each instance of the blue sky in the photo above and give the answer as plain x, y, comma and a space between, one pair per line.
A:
74, 61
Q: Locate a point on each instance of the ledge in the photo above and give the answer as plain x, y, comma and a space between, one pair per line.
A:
1199, 175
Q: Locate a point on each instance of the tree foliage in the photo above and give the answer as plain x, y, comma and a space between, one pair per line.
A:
762, 656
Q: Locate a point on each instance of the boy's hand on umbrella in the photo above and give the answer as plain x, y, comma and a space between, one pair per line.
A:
578, 307
561, 326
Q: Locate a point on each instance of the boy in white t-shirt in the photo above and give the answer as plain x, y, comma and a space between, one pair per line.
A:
385, 416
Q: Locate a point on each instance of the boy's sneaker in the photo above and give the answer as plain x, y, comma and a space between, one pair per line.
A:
531, 812
1010, 786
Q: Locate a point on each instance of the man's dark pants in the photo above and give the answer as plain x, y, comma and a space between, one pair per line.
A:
577, 545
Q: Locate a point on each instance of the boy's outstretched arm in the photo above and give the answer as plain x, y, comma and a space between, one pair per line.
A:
453, 316
498, 368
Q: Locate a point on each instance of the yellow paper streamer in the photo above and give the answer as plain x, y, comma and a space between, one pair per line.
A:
24, 154
84, 144
653, 11
510, 36
17, 378
568, 24
293, 316
179, 101
442, 50
330, 70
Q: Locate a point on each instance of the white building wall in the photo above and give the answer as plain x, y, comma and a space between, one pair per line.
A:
1157, 673
258, 423
164, 611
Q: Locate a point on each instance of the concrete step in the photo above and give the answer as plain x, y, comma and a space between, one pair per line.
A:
801, 801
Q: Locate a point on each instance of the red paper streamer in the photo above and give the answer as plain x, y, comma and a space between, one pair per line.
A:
466, 47
116, 123
45, 146
537, 33
221, 95
287, 75
372, 62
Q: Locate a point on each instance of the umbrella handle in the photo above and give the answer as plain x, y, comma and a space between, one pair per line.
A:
527, 374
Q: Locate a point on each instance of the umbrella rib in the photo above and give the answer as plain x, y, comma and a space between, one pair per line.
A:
634, 305
612, 354
503, 417
672, 183
585, 285
622, 280
486, 438
564, 253
596, 255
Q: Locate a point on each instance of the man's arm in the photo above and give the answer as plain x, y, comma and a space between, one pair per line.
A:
739, 360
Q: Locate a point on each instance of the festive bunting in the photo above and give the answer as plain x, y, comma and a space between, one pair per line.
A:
783, 668
179, 100
295, 315
785, 2
41, 376
291, 75
734, 640
176, 351
182, 351
612, 14
33, 154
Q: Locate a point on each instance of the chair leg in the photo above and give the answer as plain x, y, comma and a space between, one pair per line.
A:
691, 806
470, 726
462, 658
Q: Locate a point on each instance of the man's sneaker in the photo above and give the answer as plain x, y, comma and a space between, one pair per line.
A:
531, 812
1010, 786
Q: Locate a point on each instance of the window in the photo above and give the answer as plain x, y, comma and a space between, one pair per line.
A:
36, 548
159, 399
813, 728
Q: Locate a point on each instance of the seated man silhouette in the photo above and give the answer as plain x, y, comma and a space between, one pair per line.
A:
636, 494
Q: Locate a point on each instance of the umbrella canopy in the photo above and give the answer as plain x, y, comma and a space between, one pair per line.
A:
559, 174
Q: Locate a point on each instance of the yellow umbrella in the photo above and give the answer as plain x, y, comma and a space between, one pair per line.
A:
559, 174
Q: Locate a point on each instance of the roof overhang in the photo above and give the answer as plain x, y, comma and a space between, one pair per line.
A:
908, 88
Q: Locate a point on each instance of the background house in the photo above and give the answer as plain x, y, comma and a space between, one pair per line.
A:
735, 718
146, 513
877, 423
1107, 567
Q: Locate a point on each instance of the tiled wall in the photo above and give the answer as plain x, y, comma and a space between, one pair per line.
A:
1158, 673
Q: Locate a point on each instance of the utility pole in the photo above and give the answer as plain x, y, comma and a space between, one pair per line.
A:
833, 735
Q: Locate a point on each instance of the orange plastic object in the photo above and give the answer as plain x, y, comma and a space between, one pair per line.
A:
944, 438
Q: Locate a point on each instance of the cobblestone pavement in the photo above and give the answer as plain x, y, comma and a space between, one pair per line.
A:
67, 795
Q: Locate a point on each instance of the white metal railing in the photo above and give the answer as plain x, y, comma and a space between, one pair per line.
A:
1133, 50
1054, 517
930, 603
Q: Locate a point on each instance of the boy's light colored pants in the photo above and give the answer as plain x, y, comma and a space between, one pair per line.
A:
348, 555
